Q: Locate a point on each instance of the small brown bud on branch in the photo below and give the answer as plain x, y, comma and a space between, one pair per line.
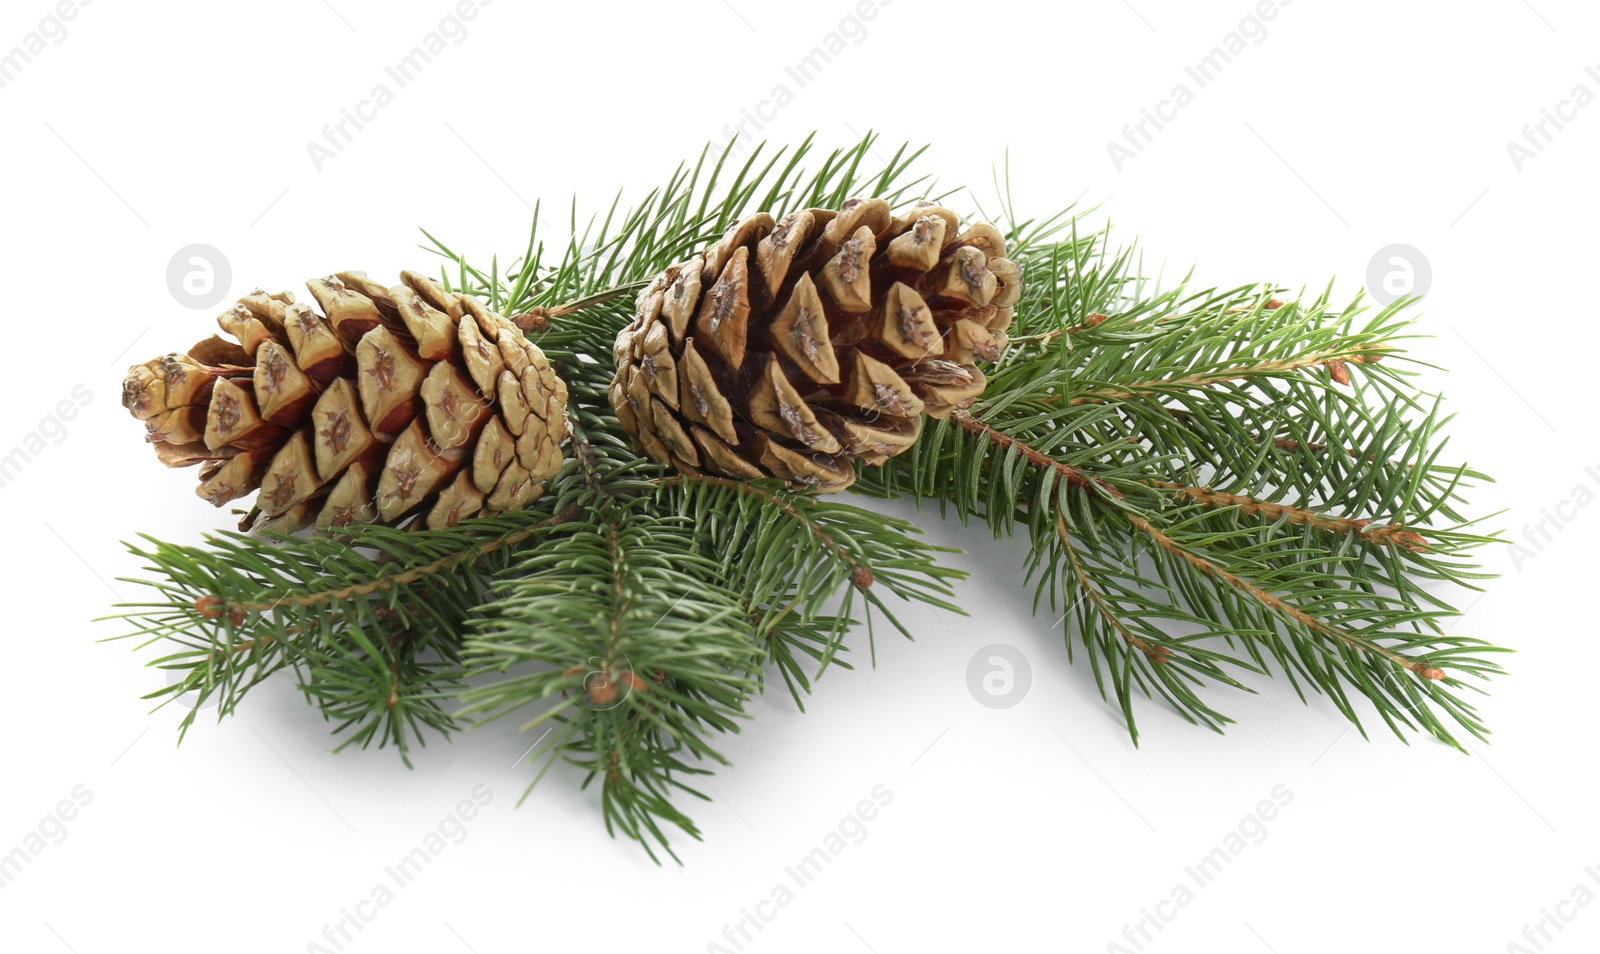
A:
534, 319
601, 688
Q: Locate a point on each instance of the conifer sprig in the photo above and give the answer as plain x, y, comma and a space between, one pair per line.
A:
1216, 485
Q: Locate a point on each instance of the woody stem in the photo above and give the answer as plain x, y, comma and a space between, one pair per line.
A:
538, 318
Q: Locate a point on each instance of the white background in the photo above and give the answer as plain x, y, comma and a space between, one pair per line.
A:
1349, 127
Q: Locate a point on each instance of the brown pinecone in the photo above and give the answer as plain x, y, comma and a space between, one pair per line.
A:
405, 404
790, 349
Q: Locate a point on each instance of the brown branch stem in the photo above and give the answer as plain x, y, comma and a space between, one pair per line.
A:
1333, 358
538, 318
1093, 320
1158, 654
441, 565
967, 422
1290, 444
1393, 534
1278, 604
1420, 667
1045, 337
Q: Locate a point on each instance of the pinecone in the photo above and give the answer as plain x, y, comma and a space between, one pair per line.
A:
407, 404
790, 349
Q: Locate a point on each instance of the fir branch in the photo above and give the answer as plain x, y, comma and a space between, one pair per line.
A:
1198, 422
647, 654
362, 619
